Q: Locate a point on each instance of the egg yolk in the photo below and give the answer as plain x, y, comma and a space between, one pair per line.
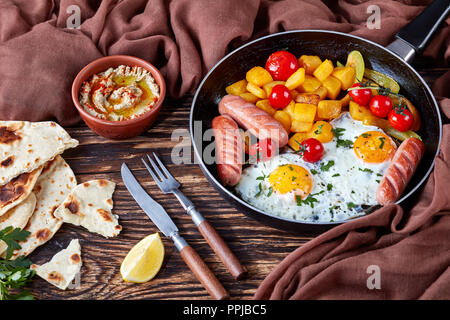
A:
289, 177
374, 147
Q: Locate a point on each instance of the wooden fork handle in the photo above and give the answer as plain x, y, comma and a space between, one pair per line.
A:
203, 273
222, 250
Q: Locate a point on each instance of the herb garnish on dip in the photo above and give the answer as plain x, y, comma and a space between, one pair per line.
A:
120, 93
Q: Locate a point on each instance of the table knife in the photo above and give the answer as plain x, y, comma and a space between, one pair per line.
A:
161, 219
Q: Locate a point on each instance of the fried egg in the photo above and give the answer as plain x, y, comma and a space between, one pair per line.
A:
336, 188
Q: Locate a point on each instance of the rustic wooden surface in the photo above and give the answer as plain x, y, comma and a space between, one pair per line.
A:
260, 248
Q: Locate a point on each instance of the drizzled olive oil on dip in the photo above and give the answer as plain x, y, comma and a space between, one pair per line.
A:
120, 93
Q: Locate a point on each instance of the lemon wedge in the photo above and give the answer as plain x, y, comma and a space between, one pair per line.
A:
144, 260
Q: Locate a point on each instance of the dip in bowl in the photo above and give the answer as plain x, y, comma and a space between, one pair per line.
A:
119, 96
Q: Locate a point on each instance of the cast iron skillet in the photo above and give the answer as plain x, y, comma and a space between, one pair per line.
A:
334, 46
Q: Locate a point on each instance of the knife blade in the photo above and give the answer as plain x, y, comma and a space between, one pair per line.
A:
152, 209
161, 219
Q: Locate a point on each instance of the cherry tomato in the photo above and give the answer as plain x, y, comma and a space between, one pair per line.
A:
280, 96
380, 105
312, 150
262, 150
401, 118
281, 65
361, 96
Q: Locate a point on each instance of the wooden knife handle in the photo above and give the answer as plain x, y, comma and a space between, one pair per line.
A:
222, 250
203, 273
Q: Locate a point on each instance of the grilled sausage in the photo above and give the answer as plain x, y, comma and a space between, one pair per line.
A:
258, 122
228, 150
401, 169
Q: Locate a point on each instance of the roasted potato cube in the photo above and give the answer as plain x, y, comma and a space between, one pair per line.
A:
237, 88
296, 139
257, 91
321, 92
268, 86
377, 122
284, 118
360, 112
329, 109
304, 112
309, 98
309, 63
258, 76
300, 126
290, 109
294, 94
249, 97
265, 106
324, 70
309, 85
295, 79
322, 131
345, 100
333, 87
346, 75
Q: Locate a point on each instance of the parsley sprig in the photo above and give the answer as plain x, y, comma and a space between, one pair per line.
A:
16, 273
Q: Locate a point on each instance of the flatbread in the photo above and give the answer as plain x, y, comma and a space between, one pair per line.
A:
17, 217
17, 190
63, 267
25, 146
53, 186
89, 205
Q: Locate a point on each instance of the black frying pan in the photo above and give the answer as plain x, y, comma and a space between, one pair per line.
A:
334, 46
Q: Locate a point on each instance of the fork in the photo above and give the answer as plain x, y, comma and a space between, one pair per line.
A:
168, 184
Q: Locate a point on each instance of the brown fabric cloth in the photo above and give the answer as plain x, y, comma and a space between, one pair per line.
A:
40, 57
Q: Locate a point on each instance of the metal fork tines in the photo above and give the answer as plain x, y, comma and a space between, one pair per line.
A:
168, 184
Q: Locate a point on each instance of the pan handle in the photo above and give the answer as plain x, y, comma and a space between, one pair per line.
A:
413, 38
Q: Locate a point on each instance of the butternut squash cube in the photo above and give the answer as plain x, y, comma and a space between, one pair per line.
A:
249, 97
324, 70
237, 88
265, 106
304, 112
333, 87
309, 63
268, 86
300, 126
321, 92
309, 85
258, 76
346, 75
284, 118
329, 109
295, 79
296, 139
257, 91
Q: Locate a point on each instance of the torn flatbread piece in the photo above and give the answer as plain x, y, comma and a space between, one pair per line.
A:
17, 190
89, 205
55, 183
25, 146
17, 217
63, 267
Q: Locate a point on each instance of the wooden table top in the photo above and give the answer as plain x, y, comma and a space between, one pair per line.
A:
260, 248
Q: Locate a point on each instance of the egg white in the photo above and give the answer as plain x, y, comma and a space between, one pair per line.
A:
342, 182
